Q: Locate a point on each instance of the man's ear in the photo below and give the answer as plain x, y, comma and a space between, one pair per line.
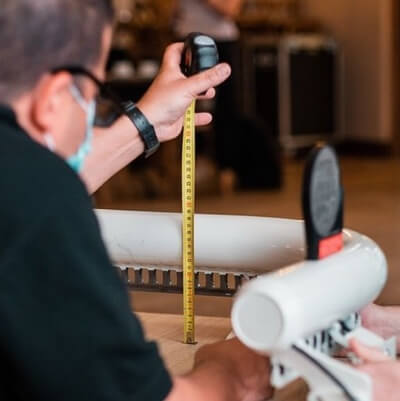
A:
49, 97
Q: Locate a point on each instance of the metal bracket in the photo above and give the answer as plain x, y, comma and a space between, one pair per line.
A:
171, 281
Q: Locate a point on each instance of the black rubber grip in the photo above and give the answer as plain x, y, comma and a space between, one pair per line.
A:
200, 53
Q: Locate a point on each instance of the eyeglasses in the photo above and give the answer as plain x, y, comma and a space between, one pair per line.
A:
109, 106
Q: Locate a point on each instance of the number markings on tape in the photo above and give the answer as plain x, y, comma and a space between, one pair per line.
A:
188, 206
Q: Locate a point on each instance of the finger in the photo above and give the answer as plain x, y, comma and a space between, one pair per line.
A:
367, 368
202, 119
172, 56
368, 354
202, 82
209, 95
368, 312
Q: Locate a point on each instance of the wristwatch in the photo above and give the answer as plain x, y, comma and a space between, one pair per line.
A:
145, 129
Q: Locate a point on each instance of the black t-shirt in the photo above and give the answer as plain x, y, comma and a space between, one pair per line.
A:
66, 328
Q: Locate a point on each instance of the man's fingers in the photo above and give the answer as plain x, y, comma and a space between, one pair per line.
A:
367, 354
211, 78
173, 55
209, 95
203, 119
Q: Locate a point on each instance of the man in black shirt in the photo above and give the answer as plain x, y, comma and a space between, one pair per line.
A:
66, 328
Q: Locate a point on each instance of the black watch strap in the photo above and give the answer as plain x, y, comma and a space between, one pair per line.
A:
145, 129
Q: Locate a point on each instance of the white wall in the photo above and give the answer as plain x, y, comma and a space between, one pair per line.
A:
364, 30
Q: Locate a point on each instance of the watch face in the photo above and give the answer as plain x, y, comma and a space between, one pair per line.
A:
325, 191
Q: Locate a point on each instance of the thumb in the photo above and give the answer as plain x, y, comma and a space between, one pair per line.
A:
367, 354
200, 83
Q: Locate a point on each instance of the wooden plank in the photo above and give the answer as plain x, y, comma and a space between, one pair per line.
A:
167, 330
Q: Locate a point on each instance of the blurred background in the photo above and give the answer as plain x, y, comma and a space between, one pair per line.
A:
304, 71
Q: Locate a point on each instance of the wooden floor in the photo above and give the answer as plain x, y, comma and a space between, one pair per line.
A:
372, 207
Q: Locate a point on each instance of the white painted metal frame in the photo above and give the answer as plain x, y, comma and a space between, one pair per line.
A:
231, 244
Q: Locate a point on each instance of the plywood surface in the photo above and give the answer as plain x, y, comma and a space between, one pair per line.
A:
167, 331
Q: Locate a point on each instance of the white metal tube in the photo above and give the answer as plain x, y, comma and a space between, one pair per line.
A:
273, 311
238, 244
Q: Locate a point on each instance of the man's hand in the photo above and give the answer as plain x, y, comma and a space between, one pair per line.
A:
164, 105
251, 372
384, 372
171, 93
225, 371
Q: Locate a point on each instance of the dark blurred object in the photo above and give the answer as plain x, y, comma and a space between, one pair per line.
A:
293, 83
257, 161
269, 10
260, 80
227, 105
143, 27
133, 89
246, 143
274, 16
309, 90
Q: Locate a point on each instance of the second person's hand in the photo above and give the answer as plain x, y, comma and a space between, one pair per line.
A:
383, 371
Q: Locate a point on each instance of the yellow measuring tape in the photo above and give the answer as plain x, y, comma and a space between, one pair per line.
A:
188, 207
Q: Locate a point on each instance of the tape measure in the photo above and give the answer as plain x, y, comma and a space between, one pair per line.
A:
200, 53
188, 207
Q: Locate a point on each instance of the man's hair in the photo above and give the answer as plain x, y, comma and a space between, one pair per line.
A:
39, 35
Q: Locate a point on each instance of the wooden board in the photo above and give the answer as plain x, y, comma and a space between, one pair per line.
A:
167, 330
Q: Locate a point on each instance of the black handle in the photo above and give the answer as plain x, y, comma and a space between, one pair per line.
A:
200, 53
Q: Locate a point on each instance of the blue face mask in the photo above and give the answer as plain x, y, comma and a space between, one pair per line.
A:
77, 160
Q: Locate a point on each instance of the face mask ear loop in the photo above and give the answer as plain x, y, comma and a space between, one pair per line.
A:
76, 94
77, 160
48, 138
